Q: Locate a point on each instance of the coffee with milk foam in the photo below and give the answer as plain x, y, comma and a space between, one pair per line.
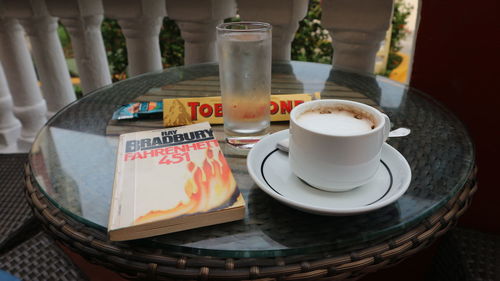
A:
337, 120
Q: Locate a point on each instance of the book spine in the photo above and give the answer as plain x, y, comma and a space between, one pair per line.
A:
117, 186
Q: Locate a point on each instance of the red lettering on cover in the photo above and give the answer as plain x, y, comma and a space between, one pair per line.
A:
128, 156
165, 160
175, 158
168, 153
137, 155
189, 147
181, 148
202, 145
159, 151
151, 153
214, 142
169, 150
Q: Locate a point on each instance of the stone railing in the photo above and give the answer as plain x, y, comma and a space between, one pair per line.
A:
29, 97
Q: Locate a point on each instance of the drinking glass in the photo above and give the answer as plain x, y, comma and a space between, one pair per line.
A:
244, 52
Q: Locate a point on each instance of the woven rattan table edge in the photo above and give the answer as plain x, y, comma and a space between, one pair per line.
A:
134, 264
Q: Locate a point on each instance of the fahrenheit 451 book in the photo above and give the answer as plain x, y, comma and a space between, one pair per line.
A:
170, 180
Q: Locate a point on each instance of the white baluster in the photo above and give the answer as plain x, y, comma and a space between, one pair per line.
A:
283, 15
10, 127
46, 49
29, 106
141, 22
82, 19
357, 27
197, 20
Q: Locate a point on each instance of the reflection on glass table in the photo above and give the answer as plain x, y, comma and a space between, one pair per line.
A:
73, 160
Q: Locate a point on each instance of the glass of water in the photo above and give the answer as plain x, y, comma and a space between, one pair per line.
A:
244, 52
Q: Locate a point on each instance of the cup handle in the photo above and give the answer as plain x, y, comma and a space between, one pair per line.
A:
387, 126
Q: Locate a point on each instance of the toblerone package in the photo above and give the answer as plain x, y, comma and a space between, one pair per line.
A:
185, 111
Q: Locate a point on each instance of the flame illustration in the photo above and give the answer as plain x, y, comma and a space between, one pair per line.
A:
210, 186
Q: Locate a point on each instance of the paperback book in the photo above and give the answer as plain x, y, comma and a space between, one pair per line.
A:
170, 180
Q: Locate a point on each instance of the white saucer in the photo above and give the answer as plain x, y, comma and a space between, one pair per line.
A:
270, 170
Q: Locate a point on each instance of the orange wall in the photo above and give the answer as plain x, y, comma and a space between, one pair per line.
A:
457, 60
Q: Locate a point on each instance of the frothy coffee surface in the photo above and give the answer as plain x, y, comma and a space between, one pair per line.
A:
336, 121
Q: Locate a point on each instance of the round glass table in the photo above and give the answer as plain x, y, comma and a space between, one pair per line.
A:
72, 161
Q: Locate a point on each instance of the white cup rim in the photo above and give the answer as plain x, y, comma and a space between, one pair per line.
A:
372, 110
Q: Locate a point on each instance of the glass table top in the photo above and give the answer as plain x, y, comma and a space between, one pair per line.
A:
73, 160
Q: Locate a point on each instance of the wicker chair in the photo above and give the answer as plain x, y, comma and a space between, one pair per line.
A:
17, 221
25, 251
467, 255
39, 258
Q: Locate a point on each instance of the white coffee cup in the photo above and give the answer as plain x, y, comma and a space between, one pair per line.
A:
336, 159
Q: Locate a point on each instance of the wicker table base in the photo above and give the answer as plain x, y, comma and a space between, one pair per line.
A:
139, 263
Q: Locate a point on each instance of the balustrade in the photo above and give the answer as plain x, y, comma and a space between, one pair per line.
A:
10, 127
29, 106
283, 15
47, 52
197, 20
141, 23
356, 26
82, 19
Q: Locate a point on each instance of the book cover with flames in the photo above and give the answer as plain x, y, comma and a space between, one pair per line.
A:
170, 180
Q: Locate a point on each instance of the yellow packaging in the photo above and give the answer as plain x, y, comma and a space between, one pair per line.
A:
185, 111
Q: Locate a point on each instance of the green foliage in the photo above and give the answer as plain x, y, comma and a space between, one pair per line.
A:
400, 16
65, 41
233, 19
393, 61
78, 91
116, 50
171, 46
312, 42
